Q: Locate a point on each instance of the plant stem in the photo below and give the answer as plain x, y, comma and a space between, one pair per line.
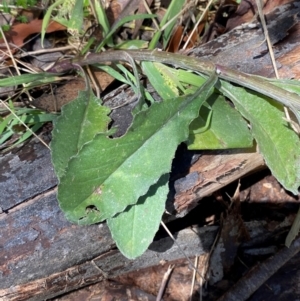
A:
255, 83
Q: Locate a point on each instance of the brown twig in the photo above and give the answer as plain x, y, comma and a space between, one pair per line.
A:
164, 282
258, 275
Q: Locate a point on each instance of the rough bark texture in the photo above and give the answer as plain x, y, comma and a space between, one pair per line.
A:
212, 171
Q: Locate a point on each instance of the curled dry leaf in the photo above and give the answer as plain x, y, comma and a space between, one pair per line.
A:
19, 32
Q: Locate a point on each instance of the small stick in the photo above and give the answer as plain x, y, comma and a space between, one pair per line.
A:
179, 248
266, 33
194, 278
259, 4
42, 51
258, 275
164, 282
197, 23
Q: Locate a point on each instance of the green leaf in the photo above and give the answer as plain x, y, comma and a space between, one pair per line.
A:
76, 19
278, 143
173, 10
190, 78
46, 19
294, 231
160, 83
286, 84
26, 78
107, 175
27, 134
6, 135
167, 23
132, 44
79, 122
33, 118
225, 129
4, 122
116, 74
133, 229
101, 16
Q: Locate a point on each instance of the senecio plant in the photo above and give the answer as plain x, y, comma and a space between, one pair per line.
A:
125, 180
